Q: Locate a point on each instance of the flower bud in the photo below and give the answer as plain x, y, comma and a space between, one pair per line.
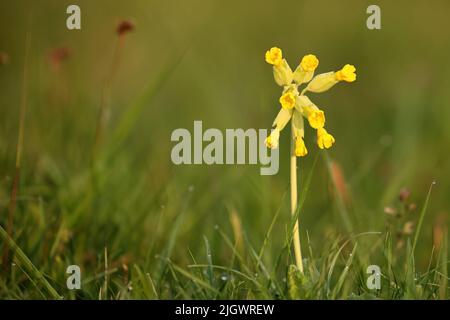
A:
298, 124
322, 82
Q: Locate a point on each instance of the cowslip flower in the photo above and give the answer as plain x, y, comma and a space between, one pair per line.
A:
287, 100
325, 81
274, 56
347, 73
281, 71
296, 105
324, 139
306, 68
300, 147
295, 108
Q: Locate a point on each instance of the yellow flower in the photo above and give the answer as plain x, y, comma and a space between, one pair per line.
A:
309, 62
295, 105
324, 139
305, 70
274, 56
347, 73
300, 148
287, 100
272, 140
316, 119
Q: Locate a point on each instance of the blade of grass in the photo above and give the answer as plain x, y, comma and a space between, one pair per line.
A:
28, 265
209, 260
344, 273
167, 251
272, 224
233, 248
444, 278
243, 275
195, 279
421, 216
336, 256
148, 287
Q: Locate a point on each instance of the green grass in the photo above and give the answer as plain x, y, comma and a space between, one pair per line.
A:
124, 266
142, 228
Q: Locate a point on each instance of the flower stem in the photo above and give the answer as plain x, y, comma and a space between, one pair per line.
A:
296, 234
104, 110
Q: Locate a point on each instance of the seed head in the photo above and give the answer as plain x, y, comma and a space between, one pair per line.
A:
4, 58
404, 194
58, 55
124, 27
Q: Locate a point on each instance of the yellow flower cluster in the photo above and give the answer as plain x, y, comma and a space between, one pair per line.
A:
296, 105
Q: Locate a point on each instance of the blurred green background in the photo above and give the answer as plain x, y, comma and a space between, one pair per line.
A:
204, 60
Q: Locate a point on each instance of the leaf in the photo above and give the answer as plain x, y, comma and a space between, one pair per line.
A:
295, 280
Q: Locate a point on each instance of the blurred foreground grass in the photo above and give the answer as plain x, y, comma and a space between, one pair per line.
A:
140, 227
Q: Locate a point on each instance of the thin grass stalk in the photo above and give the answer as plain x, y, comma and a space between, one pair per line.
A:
105, 98
15, 186
296, 233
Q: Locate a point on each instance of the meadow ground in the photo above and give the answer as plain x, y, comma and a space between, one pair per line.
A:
102, 192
